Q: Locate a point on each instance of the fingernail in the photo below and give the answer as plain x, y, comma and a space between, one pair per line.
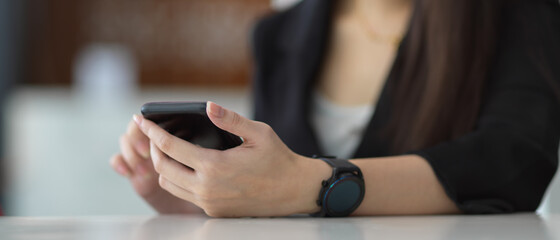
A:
123, 171
143, 149
145, 154
216, 110
136, 119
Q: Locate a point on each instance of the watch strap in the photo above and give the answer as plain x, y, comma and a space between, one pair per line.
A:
342, 165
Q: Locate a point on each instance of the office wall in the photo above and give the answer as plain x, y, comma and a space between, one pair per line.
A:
184, 42
11, 51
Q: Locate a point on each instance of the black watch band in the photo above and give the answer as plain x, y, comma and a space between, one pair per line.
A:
343, 192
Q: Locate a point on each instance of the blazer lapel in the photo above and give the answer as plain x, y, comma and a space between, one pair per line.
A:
305, 43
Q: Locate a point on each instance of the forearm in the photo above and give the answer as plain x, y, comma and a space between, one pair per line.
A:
402, 185
396, 185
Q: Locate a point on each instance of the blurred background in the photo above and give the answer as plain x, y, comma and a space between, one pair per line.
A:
72, 73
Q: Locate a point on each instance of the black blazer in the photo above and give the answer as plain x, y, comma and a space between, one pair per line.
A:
504, 165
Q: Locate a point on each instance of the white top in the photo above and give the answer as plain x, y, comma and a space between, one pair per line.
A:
338, 128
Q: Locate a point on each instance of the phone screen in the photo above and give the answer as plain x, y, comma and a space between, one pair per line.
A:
188, 121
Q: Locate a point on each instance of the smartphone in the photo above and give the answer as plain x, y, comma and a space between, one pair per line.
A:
188, 121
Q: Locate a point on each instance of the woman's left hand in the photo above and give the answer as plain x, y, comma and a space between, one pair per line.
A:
261, 177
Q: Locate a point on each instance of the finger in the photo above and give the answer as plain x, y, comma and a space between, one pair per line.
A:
232, 122
176, 148
139, 140
174, 171
120, 166
132, 158
176, 190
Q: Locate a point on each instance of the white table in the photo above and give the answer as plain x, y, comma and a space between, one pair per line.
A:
514, 226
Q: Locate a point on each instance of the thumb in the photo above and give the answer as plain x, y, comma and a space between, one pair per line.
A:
231, 121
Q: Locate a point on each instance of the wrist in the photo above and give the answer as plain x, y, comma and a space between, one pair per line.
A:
312, 172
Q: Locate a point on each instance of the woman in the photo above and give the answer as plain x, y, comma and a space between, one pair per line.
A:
460, 116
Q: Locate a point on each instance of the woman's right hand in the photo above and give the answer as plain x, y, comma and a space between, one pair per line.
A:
135, 163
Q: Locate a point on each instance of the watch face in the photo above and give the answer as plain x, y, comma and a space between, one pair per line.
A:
344, 196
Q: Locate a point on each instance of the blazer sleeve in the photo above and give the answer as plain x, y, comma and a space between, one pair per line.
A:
507, 162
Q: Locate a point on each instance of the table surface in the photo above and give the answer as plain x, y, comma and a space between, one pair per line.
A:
510, 226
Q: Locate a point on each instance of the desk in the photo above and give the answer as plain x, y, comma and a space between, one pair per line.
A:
515, 226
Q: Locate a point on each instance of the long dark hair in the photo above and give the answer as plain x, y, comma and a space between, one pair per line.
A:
439, 81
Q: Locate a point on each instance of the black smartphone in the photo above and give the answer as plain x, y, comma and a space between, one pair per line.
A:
188, 121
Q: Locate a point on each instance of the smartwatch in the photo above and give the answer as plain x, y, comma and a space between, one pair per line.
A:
343, 192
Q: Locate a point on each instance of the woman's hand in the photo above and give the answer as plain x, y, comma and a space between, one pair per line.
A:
135, 163
261, 177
